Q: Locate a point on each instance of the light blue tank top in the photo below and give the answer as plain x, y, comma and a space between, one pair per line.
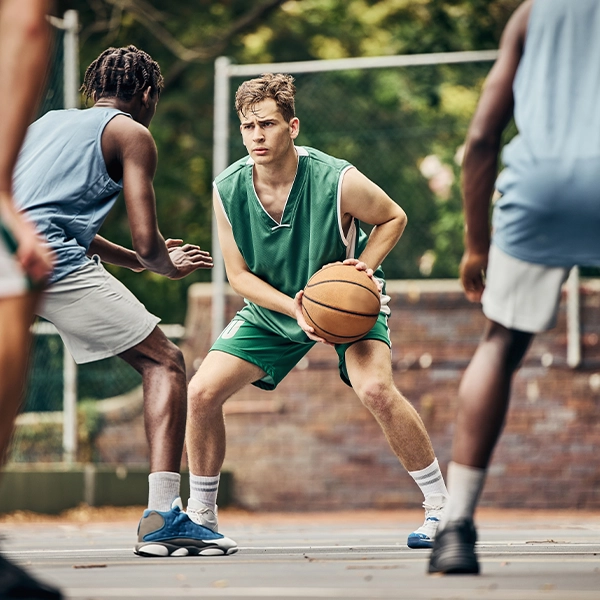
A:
550, 209
61, 182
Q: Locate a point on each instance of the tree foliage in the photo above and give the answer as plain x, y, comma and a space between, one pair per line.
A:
186, 37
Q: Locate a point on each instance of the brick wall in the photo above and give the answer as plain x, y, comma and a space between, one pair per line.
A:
310, 444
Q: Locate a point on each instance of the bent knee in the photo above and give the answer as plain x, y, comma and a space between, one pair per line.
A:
173, 358
377, 395
202, 396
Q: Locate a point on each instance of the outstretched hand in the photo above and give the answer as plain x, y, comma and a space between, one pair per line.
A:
472, 274
187, 258
308, 330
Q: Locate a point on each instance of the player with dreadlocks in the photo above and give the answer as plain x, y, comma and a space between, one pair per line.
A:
70, 171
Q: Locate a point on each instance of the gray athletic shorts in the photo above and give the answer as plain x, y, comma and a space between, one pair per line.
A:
13, 281
95, 314
521, 295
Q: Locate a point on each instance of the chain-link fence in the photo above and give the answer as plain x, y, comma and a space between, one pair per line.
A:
95, 381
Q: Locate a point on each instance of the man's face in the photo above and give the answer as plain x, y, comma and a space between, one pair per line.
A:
266, 135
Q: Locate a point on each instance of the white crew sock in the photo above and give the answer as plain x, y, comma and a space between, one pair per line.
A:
465, 484
430, 480
204, 489
163, 488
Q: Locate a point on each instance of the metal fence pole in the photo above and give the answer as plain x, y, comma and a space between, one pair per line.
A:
71, 59
69, 408
220, 159
573, 319
71, 100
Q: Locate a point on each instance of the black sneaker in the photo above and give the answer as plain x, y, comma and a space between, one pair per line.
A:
454, 549
15, 584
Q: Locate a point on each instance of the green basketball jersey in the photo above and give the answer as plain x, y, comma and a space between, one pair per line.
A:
309, 236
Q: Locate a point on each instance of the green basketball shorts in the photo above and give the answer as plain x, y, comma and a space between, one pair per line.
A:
277, 355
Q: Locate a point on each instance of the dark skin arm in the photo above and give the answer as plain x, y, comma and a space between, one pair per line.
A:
480, 166
130, 153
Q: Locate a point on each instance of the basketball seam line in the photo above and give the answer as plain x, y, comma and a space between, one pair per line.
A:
311, 285
337, 309
348, 337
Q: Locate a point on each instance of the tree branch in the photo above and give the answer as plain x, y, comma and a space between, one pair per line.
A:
152, 19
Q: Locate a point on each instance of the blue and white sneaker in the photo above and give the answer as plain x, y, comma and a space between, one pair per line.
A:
424, 536
173, 533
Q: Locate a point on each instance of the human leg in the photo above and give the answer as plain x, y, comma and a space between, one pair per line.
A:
370, 372
244, 353
518, 295
16, 316
219, 377
98, 317
484, 396
167, 530
161, 365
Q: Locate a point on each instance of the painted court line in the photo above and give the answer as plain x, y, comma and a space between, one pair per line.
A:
296, 592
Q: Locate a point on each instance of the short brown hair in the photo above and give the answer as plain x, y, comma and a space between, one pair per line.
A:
277, 86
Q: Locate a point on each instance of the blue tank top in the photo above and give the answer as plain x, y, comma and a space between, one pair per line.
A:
549, 212
61, 182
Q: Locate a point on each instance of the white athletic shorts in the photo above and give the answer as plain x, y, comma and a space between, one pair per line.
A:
13, 281
95, 314
521, 295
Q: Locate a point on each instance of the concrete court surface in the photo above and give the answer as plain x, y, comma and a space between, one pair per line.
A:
524, 555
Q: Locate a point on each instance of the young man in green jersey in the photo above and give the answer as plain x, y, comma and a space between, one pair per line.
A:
283, 213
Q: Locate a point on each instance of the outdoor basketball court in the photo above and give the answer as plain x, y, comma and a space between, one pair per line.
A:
524, 555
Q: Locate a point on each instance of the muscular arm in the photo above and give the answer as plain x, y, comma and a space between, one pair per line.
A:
114, 254
241, 279
131, 146
480, 166
364, 200
25, 38
138, 157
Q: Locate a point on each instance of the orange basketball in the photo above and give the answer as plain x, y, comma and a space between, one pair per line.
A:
341, 303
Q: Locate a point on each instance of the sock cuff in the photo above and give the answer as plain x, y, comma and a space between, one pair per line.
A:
164, 476
202, 484
426, 472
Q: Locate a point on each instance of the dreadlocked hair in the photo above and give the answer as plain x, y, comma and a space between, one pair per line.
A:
122, 73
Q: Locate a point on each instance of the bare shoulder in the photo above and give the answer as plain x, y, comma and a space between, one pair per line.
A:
356, 183
128, 135
516, 28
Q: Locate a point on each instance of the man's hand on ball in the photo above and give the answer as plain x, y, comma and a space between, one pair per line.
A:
308, 330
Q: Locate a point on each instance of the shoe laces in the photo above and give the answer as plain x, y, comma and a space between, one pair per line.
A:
204, 515
433, 506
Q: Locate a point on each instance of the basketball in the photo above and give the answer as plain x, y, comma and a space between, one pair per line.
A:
341, 303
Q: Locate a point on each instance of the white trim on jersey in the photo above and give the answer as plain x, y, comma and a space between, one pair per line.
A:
221, 202
300, 151
349, 240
